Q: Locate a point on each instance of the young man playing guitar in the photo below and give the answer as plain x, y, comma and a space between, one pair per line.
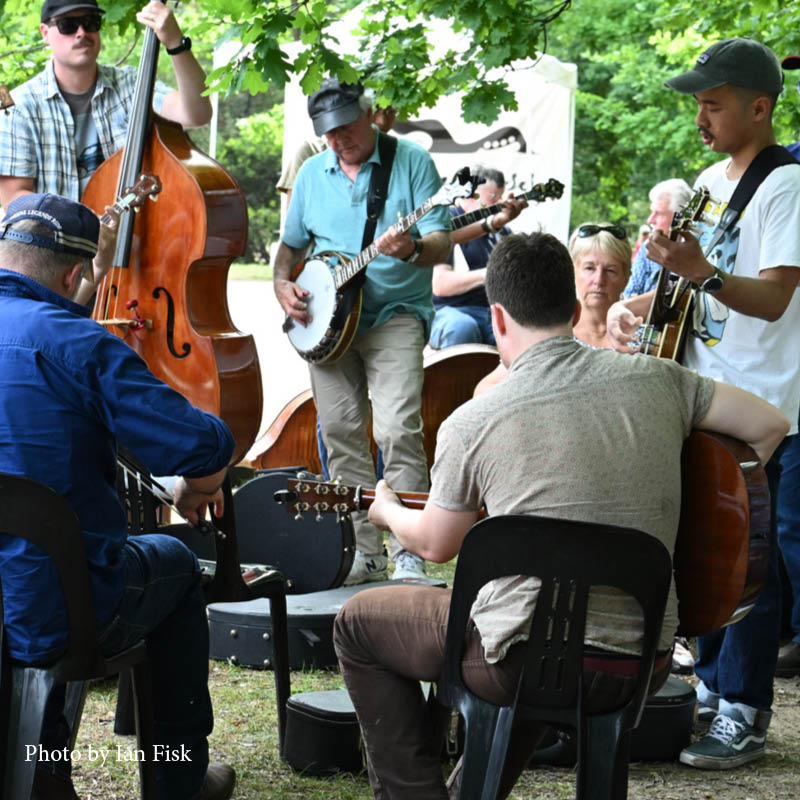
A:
747, 333
570, 434
328, 208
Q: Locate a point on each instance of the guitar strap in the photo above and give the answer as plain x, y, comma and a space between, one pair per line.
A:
761, 166
377, 193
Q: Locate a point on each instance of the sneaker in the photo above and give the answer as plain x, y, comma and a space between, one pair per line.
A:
682, 658
705, 716
218, 783
408, 565
788, 661
367, 569
729, 743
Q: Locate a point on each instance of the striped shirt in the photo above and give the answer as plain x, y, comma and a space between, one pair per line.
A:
37, 135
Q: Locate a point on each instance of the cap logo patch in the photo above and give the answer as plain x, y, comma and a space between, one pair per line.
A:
703, 58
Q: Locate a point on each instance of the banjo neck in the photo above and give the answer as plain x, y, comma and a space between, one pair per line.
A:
344, 273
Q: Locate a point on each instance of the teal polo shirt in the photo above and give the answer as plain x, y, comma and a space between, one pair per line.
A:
330, 210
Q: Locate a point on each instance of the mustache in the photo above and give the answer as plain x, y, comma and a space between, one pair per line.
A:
706, 131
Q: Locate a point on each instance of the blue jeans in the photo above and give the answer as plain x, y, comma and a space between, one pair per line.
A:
461, 325
163, 603
738, 662
789, 524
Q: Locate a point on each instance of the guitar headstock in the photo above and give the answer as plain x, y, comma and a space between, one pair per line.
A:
552, 190
463, 185
689, 215
319, 497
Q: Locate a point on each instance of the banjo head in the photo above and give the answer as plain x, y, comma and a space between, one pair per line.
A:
317, 279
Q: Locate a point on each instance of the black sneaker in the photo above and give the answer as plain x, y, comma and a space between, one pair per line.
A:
729, 743
218, 783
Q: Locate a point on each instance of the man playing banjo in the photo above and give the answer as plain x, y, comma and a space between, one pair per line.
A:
383, 364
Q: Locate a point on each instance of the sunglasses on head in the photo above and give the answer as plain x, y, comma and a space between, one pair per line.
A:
617, 231
90, 23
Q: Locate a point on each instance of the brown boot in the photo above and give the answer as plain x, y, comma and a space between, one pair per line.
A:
218, 783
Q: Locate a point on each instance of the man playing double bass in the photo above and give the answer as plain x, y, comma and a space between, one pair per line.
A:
328, 209
73, 115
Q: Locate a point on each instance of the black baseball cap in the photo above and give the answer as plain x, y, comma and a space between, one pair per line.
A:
740, 62
791, 62
75, 227
55, 8
334, 104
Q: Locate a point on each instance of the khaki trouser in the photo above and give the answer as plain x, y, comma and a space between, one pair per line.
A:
388, 639
383, 364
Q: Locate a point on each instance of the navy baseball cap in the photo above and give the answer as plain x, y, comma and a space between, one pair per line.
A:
740, 62
334, 104
75, 227
55, 8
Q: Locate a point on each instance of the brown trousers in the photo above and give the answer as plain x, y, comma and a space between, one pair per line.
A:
388, 639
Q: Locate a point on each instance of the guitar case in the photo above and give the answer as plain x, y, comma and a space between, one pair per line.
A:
664, 730
242, 632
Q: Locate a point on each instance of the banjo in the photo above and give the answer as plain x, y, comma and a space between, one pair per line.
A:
334, 296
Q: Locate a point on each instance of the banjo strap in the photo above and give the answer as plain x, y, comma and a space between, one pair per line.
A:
378, 191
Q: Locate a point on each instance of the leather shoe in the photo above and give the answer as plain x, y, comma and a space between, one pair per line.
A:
218, 783
48, 787
788, 661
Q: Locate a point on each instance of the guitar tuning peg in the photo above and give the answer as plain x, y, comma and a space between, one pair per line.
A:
153, 197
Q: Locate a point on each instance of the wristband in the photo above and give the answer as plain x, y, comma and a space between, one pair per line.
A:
186, 44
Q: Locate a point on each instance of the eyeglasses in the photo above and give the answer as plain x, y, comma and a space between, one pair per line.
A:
617, 231
91, 23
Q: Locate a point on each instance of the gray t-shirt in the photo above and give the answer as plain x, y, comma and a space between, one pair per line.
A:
573, 433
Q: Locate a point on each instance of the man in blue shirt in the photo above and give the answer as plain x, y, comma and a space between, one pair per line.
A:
71, 390
384, 361
665, 199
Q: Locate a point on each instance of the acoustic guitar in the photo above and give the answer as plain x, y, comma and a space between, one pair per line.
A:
721, 550
552, 190
669, 318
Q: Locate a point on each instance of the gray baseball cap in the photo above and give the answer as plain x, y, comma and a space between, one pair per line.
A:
334, 104
740, 62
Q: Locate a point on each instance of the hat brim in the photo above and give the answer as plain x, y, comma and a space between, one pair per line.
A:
693, 81
328, 120
76, 7
791, 62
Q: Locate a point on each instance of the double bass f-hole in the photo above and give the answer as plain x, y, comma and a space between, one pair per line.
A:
186, 347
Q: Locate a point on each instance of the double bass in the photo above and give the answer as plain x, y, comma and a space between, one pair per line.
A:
166, 292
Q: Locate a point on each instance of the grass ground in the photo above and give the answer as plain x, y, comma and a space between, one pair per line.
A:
245, 735
250, 272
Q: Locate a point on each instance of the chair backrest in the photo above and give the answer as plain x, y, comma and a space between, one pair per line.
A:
569, 557
36, 513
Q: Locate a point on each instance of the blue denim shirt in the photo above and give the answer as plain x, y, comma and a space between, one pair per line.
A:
644, 274
331, 210
69, 391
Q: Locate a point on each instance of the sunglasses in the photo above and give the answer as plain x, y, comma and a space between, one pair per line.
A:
90, 23
617, 231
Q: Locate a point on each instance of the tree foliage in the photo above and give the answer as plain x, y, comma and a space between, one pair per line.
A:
630, 131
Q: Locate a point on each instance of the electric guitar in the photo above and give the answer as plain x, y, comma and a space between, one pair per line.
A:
669, 318
722, 547
334, 299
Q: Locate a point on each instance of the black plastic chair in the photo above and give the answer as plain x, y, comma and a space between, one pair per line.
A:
569, 557
36, 513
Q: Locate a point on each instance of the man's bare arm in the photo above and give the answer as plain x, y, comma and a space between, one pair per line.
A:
738, 413
447, 282
289, 294
11, 186
434, 533
765, 297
